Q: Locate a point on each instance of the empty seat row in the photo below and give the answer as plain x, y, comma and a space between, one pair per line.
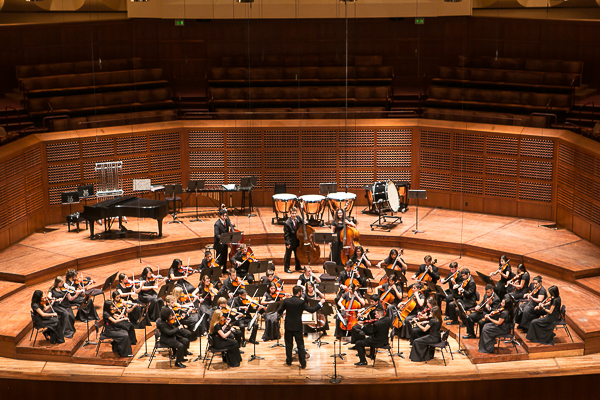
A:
303, 60
100, 121
566, 67
494, 118
79, 67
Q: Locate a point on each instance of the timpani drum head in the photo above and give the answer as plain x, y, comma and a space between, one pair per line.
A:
341, 200
284, 201
313, 203
392, 196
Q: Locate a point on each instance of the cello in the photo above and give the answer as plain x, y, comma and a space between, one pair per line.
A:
308, 251
349, 238
405, 310
423, 276
352, 307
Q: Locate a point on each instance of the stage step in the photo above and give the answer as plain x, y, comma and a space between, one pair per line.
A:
563, 347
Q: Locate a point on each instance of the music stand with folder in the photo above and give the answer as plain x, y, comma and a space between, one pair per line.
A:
194, 186
325, 237
213, 273
417, 194
231, 238
107, 284
333, 270
257, 290
258, 267
486, 279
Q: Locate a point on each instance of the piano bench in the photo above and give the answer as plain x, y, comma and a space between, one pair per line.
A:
76, 218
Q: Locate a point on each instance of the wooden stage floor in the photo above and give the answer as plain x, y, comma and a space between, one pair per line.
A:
473, 240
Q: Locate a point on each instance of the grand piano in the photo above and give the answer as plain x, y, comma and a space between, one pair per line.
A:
126, 206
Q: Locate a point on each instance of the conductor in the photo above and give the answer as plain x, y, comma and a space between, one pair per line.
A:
293, 324
290, 228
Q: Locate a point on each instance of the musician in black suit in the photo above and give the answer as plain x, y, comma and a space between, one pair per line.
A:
294, 306
378, 338
290, 228
223, 225
490, 302
467, 296
173, 335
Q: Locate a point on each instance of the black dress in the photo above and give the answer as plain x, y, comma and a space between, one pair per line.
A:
420, 348
530, 313
337, 246
135, 316
182, 283
86, 313
66, 318
406, 329
489, 333
151, 300
233, 356
518, 294
272, 331
51, 325
121, 334
542, 330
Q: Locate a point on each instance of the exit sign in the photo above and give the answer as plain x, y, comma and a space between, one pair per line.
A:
419, 21
179, 22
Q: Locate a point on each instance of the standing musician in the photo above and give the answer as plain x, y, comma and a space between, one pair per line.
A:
119, 329
489, 303
454, 278
45, 317
271, 319
393, 259
222, 225
360, 330
79, 285
224, 338
307, 276
505, 274
148, 294
530, 311
467, 296
359, 252
178, 274
349, 276
518, 286
378, 336
207, 261
294, 307
129, 290
390, 292
337, 226
247, 306
501, 321
172, 333
542, 329
290, 229
420, 349
240, 261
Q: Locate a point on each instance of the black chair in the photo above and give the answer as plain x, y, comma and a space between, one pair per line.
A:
159, 346
384, 347
280, 188
37, 329
102, 339
562, 322
213, 350
442, 345
508, 338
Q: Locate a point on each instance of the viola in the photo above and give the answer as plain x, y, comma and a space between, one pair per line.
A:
277, 283
210, 289
213, 263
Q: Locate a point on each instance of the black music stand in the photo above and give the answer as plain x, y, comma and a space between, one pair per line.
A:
107, 284
171, 192
340, 318
417, 194
333, 270
248, 183
273, 307
194, 186
69, 198
486, 279
213, 273
258, 267
85, 192
231, 238
365, 273
256, 290
398, 353
326, 310
85, 302
165, 290
144, 313
462, 315
325, 237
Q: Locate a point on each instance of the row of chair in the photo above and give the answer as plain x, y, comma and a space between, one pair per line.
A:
529, 64
303, 60
487, 117
311, 113
79, 67
65, 123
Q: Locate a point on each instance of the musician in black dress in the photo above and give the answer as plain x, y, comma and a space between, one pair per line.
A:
501, 320
173, 335
542, 329
207, 261
393, 261
420, 349
129, 292
178, 274
271, 319
467, 296
530, 311
307, 276
290, 229
378, 336
222, 225
505, 275
86, 312
148, 294
393, 287
489, 303
45, 317
424, 315
359, 251
223, 338
119, 329
312, 293
518, 286
62, 307
204, 295
294, 307
244, 304
337, 226
453, 278
419, 298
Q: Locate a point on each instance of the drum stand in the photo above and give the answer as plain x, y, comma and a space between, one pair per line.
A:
385, 225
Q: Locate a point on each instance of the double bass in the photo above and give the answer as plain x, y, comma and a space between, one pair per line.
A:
308, 251
349, 238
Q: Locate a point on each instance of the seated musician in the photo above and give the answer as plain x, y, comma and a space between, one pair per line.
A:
240, 262
529, 311
467, 296
172, 333
178, 274
422, 316
224, 338
489, 303
312, 293
418, 299
62, 306
129, 290
358, 256
420, 348
203, 297
360, 331
427, 272
454, 278
133, 311
229, 312
207, 261
501, 324
346, 277
87, 312
505, 275
518, 286
246, 306
307, 276
378, 336
391, 287
542, 329
271, 278
393, 261
232, 284
186, 312
344, 302
271, 319
45, 317
148, 294
119, 329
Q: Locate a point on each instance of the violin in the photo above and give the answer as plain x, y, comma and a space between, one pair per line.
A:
239, 282
366, 311
47, 301
495, 313
152, 278
278, 283
515, 279
488, 302
186, 298
81, 281
464, 285
210, 289
213, 263
187, 270
249, 256
422, 316
544, 303
132, 283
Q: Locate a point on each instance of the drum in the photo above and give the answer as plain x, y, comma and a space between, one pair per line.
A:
386, 192
313, 204
284, 201
341, 200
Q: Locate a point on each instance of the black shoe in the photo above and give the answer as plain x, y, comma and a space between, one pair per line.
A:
287, 271
288, 363
469, 336
352, 348
303, 366
361, 363
189, 353
184, 360
180, 365
452, 323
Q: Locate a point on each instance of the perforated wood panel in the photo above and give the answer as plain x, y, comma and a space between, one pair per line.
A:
436, 139
165, 162
59, 173
165, 141
501, 188
16, 211
244, 139
396, 176
565, 175
207, 139
394, 158
356, 179
207, 159
282, 159
62, 151
132, 144
467, 163
319, 138
468, 142
210, 178
236, 177
467, 184
434, 160
435, 181
356, 159
357, 138
289, 178
535, 170
15, 188
311, 179
501, 166
502, 145
540, 148
282, 138
55, 191
394, 137
244, 159
33, 179
535, 191
98, 148
135, 166
166, 179
319, 159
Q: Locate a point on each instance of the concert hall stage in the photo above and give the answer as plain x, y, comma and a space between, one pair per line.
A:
473, 240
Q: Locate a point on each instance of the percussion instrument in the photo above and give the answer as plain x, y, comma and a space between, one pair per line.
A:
386, 192
314, 206
282, 202
341, 200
